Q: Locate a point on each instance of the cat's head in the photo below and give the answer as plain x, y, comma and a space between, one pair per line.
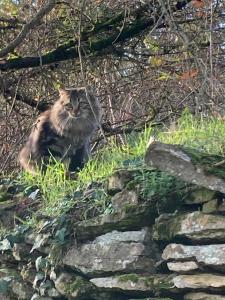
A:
74, 100
71, 99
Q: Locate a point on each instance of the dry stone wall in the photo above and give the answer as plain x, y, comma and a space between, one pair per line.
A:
136, 252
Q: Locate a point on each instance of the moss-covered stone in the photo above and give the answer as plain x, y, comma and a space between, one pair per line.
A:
195, 226
200, 195
210, 207
213, 164
190, 165
131, 217
133, 283
118, 181
124, 198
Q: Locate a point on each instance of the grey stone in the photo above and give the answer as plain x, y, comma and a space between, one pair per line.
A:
21, 290
28, 273
204, 255
14, 288
182, 267
130, 251
203, 296
124, 198
133, 217
37, 297
22, 252
118, 181
210, 207
75, 287
134, 283
204, 282
180, 162
4, 297
196, 226
200, 195
71, 285
161, 284
221, 206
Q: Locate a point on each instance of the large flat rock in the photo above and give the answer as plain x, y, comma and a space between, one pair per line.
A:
162, 284
129, 251
204, 256
132, 284
206, 282
189, 165
196, 226
203, 296
75, 287
133, 218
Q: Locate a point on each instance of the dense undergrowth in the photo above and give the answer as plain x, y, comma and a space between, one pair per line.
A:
59, 193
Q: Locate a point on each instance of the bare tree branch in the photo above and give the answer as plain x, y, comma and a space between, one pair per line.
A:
40, 106
91, 43
27, 27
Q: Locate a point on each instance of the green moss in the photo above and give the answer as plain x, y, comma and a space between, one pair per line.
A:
129, 208
156, 283
78, 284
4, 196
212, 164
166, 229
163, 283
129, 277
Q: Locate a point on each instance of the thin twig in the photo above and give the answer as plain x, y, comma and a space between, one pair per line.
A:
82, 69
27, 27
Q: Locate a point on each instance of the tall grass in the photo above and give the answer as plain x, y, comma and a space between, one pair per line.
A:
55, 186
113, 156
206, 134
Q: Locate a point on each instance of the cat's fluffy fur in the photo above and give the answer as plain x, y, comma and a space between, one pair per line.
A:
63, 131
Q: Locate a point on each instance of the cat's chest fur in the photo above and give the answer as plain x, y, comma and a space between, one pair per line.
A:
60, 144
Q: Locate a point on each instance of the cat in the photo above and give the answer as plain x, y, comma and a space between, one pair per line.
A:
63, 131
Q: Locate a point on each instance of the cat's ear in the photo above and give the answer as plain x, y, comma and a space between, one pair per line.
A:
62, 92
89, 90
88, 87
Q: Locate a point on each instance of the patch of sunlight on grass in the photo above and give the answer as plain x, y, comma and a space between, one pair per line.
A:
206, 134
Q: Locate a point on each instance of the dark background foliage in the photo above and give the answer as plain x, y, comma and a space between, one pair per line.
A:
147, 60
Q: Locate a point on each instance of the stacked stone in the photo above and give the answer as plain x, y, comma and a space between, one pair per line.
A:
133, 253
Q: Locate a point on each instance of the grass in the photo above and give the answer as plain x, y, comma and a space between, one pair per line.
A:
56, 188
203, 134
206, 134
53, 185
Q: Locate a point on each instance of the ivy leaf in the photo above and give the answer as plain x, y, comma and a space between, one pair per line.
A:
34, 194
41, 263
5, 245
5, 285
38, 277
60, 235
40, 240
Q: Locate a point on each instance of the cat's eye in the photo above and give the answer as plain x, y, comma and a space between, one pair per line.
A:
68, 106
